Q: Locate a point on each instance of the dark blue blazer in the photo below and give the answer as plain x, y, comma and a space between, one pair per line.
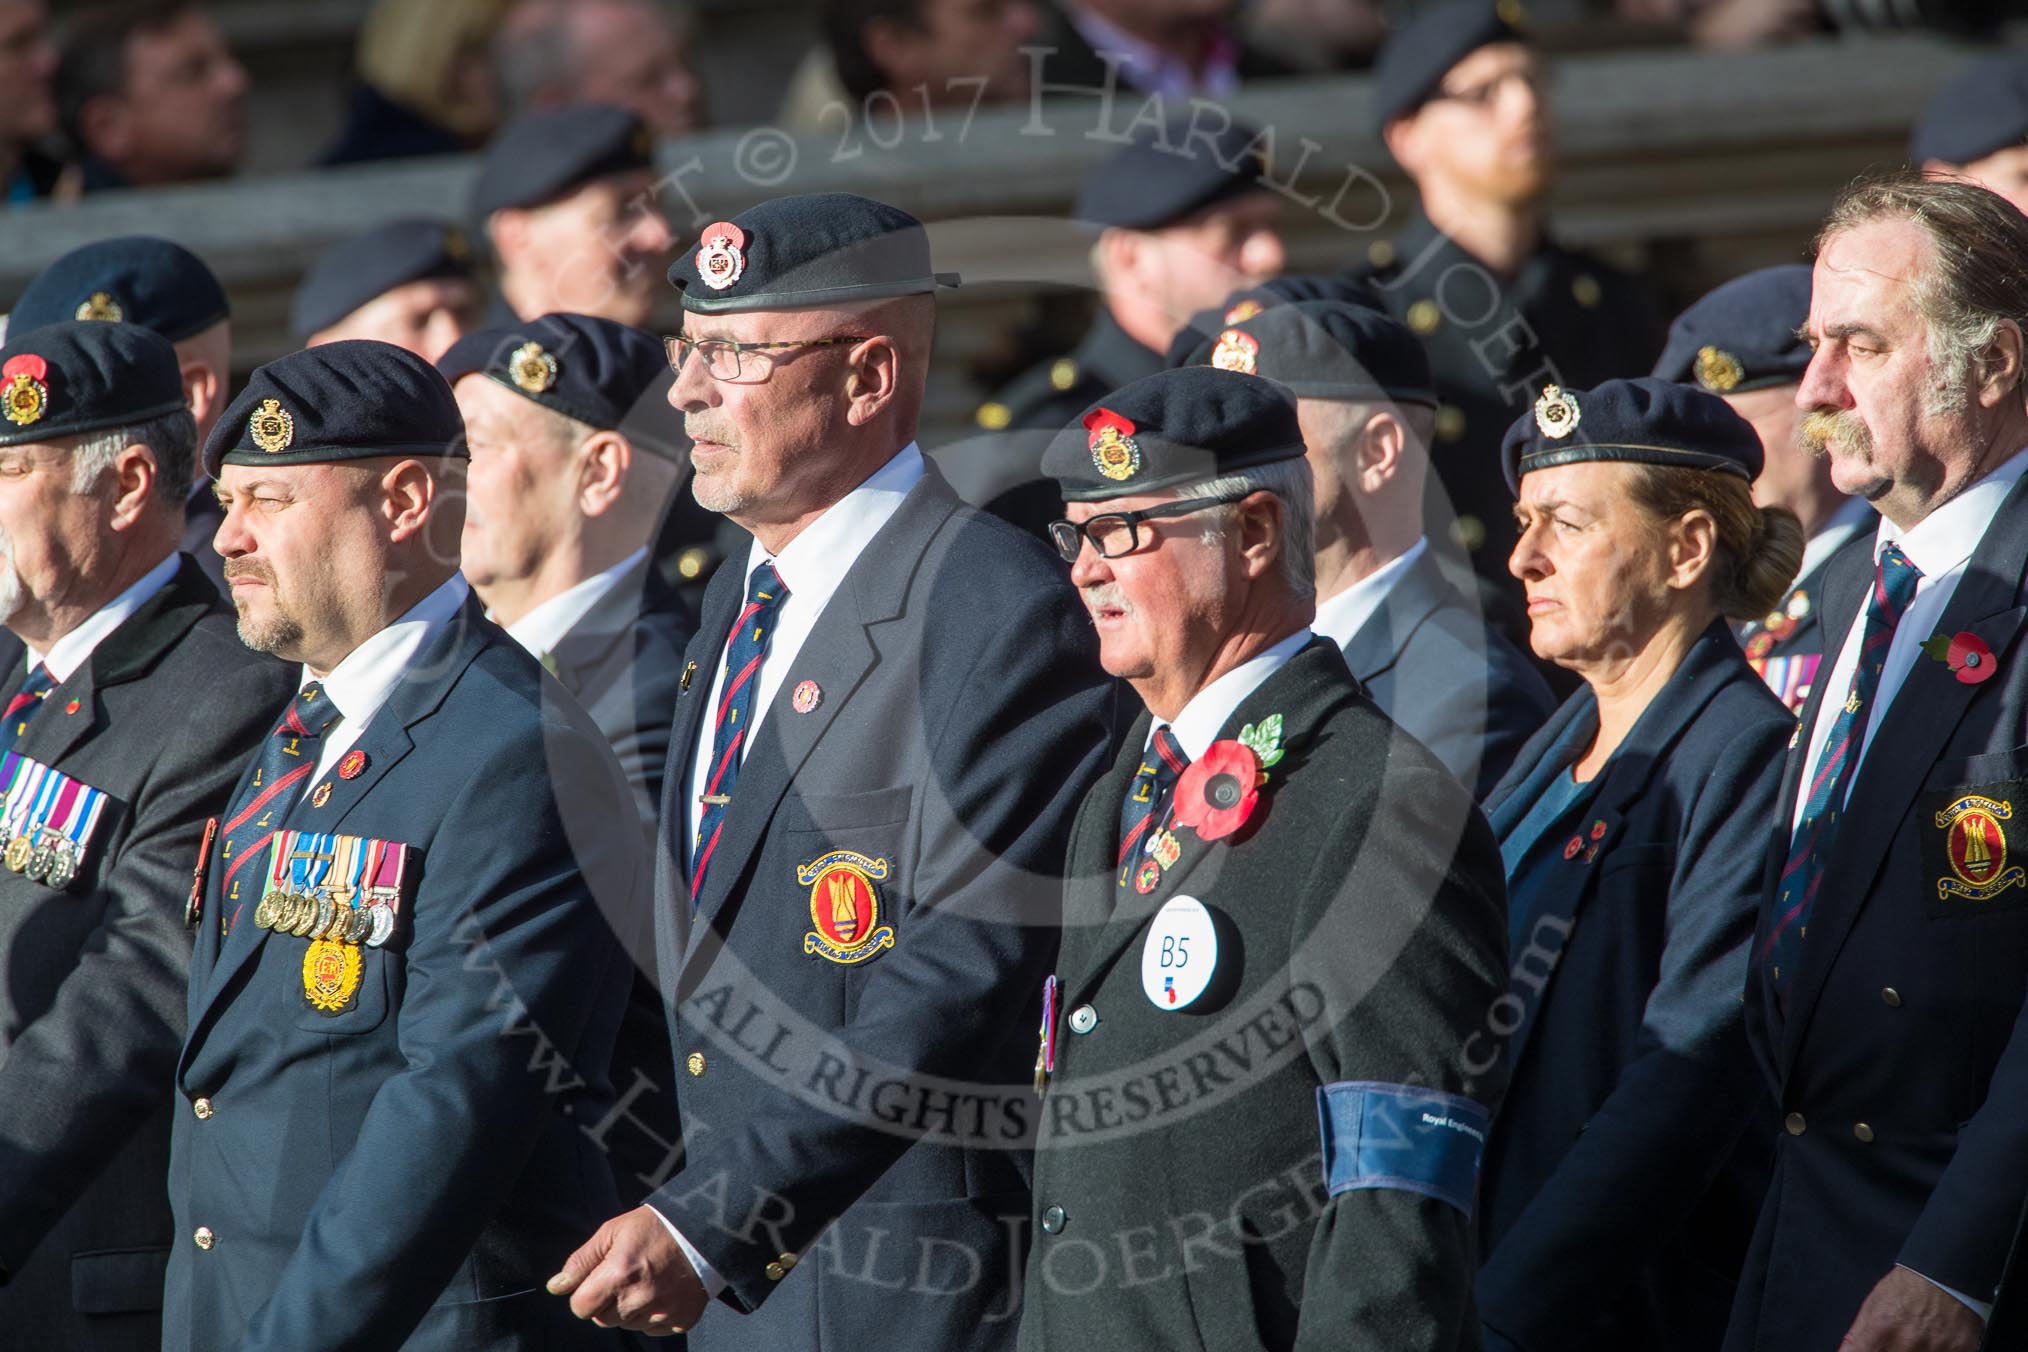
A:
407, 1174
1905, 1012
1617, 1199
961, 715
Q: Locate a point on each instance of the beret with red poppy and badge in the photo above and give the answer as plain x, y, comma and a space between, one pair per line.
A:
351, 400
1415, 60
1205, 325
540, 157
1743, 335
134, 279
1324, 349
1171, 428
84, 376
369, 265
807, 252
605, 374
1644, 421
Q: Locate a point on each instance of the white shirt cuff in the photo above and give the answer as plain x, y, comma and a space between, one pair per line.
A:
1982, 1308
706, 1274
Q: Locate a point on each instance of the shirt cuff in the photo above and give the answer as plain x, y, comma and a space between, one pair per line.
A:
707, 1275
1982, 1308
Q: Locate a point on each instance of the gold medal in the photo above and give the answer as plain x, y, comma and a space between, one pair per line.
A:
330, 976
305, 916
264, 911
19, 851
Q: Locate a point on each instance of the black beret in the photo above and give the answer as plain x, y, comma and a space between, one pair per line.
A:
136, 279
1643, 421
67, 379
540, 157
1742, 336
805, 252
1982, 110
1167, 172
1206, 325
367, 266
1326, 349
1173, 427
350, 400
1415, 60
608, 375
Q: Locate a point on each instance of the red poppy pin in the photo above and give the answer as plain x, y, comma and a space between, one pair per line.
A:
1217, 793
1966, 654
1573, 847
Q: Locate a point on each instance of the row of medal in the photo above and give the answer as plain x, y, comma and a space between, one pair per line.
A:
338, 889
47, 819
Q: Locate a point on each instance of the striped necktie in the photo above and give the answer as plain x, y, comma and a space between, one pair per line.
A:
288, 758
744, 652
1161, 764
1894, 582
26, 704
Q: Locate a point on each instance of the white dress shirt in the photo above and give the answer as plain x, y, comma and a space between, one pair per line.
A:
74, 649
1196, 725
541, 629
1340, 617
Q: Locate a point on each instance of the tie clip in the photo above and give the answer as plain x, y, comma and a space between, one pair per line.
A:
714, 799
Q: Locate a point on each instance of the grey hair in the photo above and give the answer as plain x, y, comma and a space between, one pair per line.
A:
1290, 481
171, 439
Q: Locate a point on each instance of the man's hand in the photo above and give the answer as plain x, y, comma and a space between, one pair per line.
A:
632, 1275
1905, 1313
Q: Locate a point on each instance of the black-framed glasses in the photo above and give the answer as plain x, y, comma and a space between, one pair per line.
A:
1487, 92
1116, 534
742, 363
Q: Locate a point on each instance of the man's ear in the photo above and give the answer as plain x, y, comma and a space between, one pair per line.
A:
2000, 367
604, 460
135, 485
872, 378
408, 492
1257, 528
202, 389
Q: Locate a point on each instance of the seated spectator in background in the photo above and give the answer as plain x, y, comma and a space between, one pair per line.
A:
1317, 35
149, 94
27, 101
568, 202
409, 283
425, 81
1748, 23
1169, 47
925, 53
634, 54
1976, 128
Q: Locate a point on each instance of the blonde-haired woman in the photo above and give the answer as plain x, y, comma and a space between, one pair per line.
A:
425, 81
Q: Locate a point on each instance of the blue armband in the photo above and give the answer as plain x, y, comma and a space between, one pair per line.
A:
1399, 1136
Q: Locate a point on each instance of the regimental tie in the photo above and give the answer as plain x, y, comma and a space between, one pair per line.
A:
25, 705
744, 653
1894, 582
288, 758
1149, 792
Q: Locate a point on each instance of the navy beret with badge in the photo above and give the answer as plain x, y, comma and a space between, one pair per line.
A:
1743, 335
540, 157
1324, 349
350, 400
603, 373
807, 252
1174, 427
135, 279
1644, 421
367, 266
1243, 305
1169, 171
1981, 111
84, 376
1415, 60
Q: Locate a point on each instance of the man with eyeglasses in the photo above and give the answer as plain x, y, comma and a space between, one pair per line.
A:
1502, 308
887, 715
1284, 919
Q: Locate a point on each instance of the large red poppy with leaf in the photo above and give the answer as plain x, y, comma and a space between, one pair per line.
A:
1217, 792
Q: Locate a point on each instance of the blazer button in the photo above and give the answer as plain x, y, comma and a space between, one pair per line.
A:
1794, 1124
205, 1239
695, 1061
1891, 996
1083, 1019
1053, 1221
202, 1107
1863, 1132
780, 1268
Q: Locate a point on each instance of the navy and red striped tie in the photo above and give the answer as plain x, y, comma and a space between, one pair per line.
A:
288, 758
1894, 583
744, 653
26, 704
1161, 764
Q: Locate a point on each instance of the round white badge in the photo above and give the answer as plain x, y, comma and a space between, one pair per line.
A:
1180, 955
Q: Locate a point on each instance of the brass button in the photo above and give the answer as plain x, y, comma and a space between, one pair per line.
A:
695, 1062
1053, 1221
1424, 317
202, 1107
787, 1262
1794, 1124
205, 1239
1891, 996
775, 1272
1863, 1132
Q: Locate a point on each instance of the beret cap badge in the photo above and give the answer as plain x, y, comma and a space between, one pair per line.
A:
1236, 351
1718, 370
532, 369
272, 427
26, 395
719, 260
1556, 413
101, 307
1114, 452
1243, 311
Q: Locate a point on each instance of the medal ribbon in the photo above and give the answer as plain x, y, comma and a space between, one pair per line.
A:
284, 845
66, 794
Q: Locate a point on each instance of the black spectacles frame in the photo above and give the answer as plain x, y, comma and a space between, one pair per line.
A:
1069, 536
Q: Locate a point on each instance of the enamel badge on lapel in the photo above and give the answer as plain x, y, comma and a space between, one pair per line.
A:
352, 764
808, 695
689, 671
1975, 846
1147, 877
845, 906
719, 260
321, 794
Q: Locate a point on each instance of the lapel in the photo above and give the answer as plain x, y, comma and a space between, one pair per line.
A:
580, 653
1089, 889
1416, 595
722, 598
841, 649
1914, 728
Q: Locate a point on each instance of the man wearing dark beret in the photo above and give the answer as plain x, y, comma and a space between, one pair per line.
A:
408, 282
406, 988
1976, 128
122, 727
567, 200
1503, 308
1421, 651
885, 718
1741, 342
1283, 920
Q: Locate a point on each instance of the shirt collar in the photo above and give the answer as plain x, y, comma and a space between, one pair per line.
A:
1340, 617
1196, 727
816, 561
1942, 541
364, 680
544, 627
74, 649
